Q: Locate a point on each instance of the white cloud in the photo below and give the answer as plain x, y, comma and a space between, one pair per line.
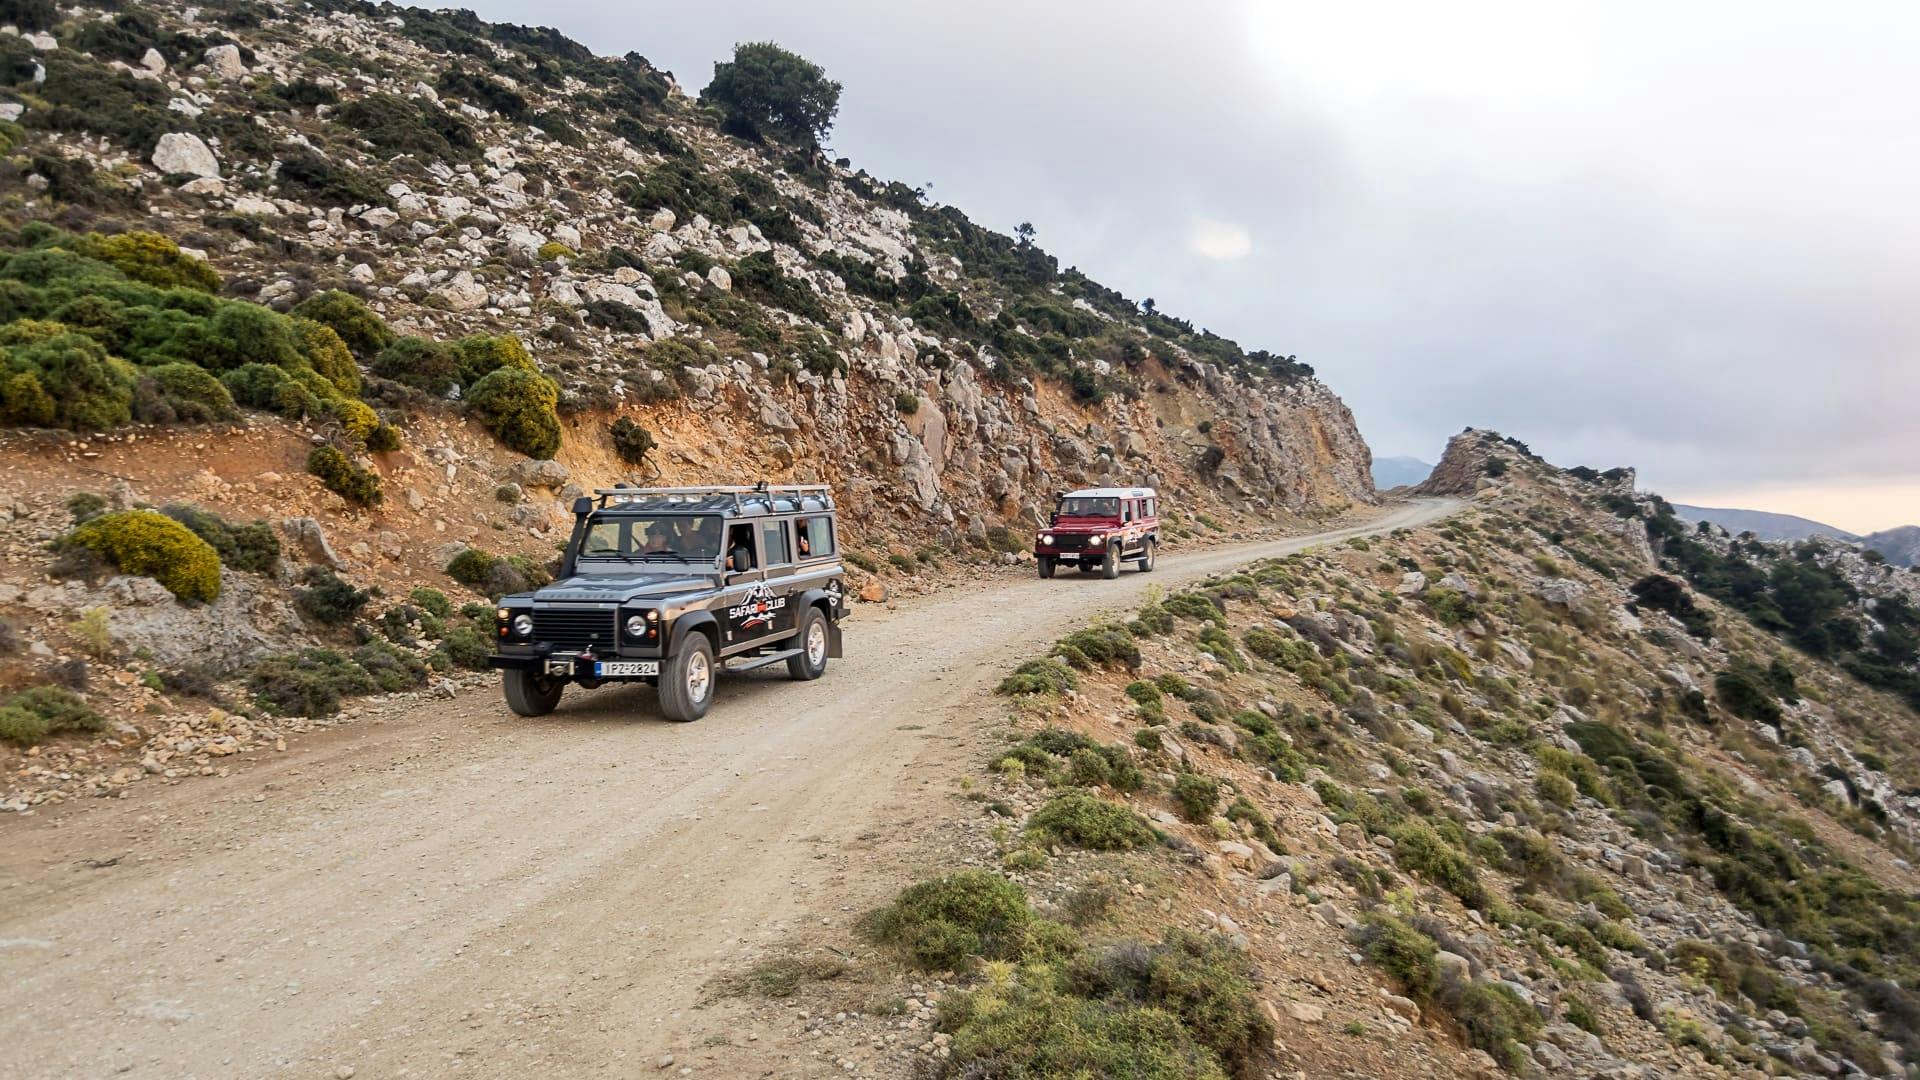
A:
1220, 240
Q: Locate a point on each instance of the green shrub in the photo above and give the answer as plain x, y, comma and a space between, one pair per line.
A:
521, 408
1031, 1029
1744, 692
1405, 954
328, 600
467, 646
397, 125
906, 403
31, 715
252, 547
1199, 978
327, 355
631, 441
151, 259
945, 922
1419, 849
67, 380
1498, 1020
1197, 796
417, 362
1217, 643
338, 474
1099, 646
358, 326
1450, 606
191, 393
479, 355
493, 574
432, 601
1046, 676
310, 682
392, 670
153, 545
1193, 605
264, 386
1082, 819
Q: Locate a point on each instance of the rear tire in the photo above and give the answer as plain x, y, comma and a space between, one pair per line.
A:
812, 643
1146, 558
1110, 566
686, 684
1045, 563
529, 694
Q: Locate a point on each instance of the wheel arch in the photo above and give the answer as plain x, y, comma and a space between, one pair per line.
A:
694, 622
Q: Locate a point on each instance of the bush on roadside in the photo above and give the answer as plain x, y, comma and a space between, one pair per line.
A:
33, 714
151, 544
1081, 819
1047, 676
1197, 796
944, 922
310, 682
328, 600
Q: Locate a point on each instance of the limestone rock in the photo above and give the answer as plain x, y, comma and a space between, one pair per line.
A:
183, 153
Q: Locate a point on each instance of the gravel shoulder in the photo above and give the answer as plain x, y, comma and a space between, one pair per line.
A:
454, 888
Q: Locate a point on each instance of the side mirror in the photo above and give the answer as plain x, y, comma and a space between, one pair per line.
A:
582, 505
740, 559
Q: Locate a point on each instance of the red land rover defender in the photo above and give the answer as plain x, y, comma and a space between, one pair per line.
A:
1098, 529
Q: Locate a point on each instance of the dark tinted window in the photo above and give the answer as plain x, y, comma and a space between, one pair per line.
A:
773, 540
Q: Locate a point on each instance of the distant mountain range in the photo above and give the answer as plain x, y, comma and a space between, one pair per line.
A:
1393, 472
1901, 545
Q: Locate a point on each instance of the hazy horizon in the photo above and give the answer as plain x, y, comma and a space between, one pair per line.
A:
1627, 234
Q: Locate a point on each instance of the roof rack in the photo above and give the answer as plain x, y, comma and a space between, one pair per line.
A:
763, 490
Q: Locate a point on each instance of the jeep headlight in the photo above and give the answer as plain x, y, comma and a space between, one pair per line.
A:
523, 625
1046, 539
636, 626
1096, 540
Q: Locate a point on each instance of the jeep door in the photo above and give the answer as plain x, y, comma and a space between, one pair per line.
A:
776, 552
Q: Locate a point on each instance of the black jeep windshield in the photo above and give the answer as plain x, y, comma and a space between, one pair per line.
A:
652, 537
1084, 507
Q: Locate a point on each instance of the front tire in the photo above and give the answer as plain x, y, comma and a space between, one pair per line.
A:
1110, 566
529, 694
1045, 563
686, 685
1146, 558
812, 643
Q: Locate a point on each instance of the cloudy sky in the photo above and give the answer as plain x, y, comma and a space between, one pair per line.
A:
1681, 237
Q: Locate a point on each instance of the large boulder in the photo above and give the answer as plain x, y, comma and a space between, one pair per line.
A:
183, 153
225, 63
462, 293
306, 536
541, 474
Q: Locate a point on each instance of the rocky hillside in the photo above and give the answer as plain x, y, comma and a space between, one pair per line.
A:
343, 292
1501, 794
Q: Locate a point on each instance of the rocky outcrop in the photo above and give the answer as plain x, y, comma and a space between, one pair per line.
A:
1462, 469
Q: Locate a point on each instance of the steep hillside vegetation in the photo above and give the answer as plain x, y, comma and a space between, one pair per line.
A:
1575, 816
305, 308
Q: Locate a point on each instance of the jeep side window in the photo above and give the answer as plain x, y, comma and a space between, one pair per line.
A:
1126, 511
816, 537
773, 541
740, 548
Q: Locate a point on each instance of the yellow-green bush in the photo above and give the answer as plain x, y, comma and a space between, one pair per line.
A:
363, 330
327, 354
356, 418
151, 259
480, 355
151, 544
554, 249
521, 408
33, 714
340, 475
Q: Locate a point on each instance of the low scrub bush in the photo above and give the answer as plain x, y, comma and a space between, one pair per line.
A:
496, 575
1199, 978
1047, 676
33, 714
328, 600
1082, 819
358, 485
310, 682
151, 544
945, 922
1099, 646
251, 547
1421, 850
1197, 796
630, 441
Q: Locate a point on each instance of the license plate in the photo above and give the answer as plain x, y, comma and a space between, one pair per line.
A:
560, 667
613, 669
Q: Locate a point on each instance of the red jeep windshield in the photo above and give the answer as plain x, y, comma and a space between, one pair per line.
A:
1089, 508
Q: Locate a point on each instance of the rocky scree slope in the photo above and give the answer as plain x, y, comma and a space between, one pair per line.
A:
347, 291
1573, 818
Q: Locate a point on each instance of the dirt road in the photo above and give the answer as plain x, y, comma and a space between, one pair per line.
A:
459, 891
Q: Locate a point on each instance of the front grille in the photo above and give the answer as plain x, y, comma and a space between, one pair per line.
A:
575, 629
1070, 541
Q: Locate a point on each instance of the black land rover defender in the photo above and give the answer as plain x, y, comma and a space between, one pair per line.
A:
668, 585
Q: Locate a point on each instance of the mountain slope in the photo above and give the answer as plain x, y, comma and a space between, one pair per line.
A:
1765, 525
1393, 472
1901, 545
